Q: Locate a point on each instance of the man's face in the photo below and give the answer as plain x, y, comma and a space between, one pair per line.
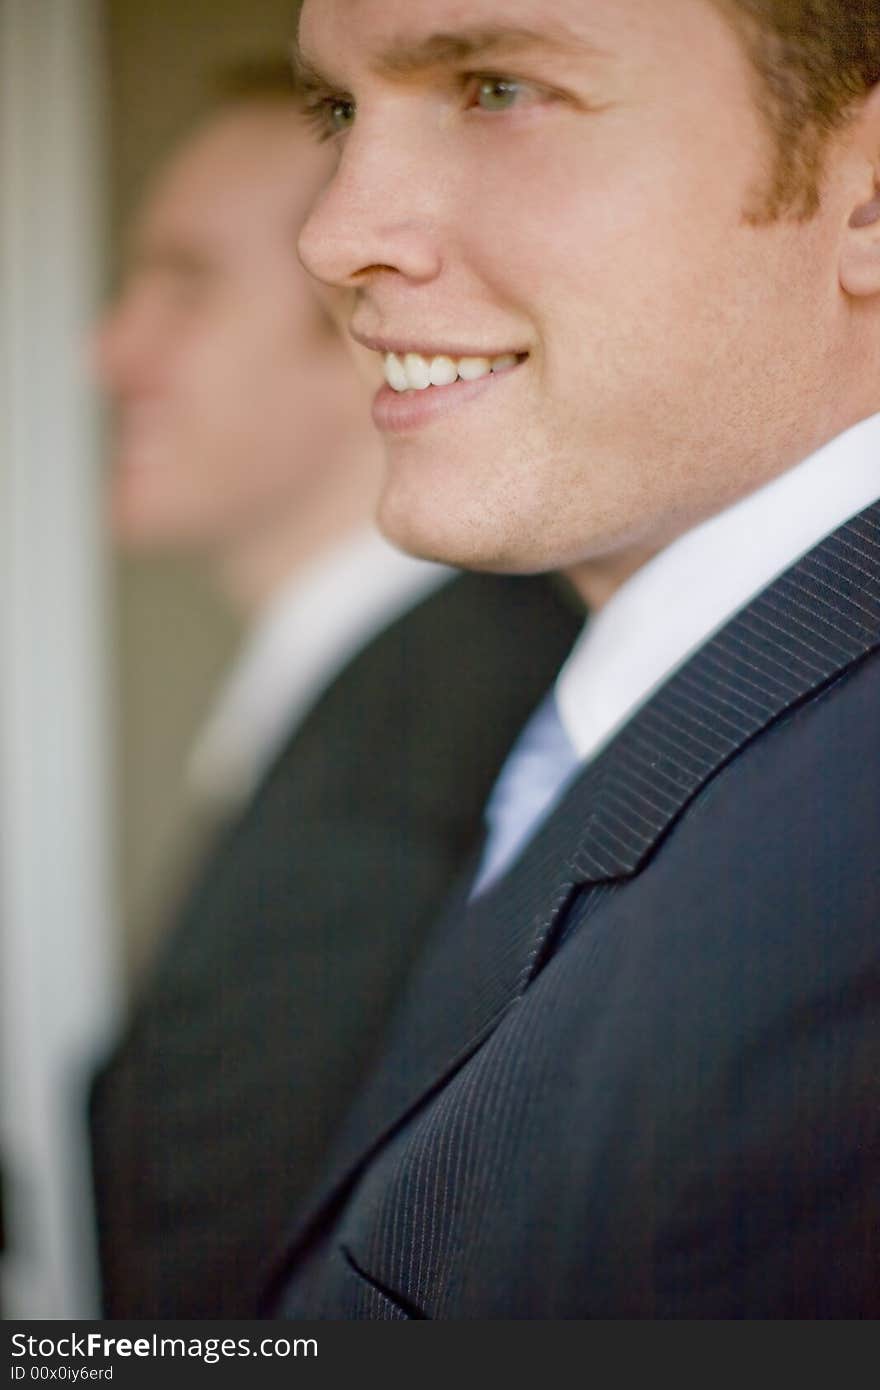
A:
563, 187
221, 364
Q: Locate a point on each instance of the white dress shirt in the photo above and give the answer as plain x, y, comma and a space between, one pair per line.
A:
319, 620
669, 607
659, 617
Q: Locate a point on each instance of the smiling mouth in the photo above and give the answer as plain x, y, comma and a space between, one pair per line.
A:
413, 371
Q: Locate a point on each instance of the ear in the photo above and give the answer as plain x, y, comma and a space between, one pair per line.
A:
860, 251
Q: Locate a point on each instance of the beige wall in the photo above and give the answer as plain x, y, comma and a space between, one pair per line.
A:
171, 638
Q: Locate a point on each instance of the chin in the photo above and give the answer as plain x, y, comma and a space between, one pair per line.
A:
142, 531
464, 541
131, 528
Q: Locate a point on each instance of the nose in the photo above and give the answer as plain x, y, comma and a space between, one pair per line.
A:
117, 347
379, 214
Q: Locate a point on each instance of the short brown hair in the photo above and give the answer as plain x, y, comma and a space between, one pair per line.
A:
816, 62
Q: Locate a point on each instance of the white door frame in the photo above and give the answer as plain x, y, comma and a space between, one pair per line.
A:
57, 960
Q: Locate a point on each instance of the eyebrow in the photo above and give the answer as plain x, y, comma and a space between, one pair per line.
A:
403, 59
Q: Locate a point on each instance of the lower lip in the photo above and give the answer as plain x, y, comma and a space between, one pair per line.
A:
399, 412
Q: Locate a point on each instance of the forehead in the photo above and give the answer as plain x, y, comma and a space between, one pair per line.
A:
396, 39
246, 175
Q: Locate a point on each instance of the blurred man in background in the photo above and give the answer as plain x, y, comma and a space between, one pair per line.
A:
348, 755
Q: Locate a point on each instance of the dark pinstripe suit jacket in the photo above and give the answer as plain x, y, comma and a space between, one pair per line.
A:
212, 1118
641, 1076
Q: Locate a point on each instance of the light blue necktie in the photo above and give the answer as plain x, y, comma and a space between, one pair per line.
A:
538, 769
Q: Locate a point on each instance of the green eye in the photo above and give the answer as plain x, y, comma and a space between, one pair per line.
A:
497, 93
340, 114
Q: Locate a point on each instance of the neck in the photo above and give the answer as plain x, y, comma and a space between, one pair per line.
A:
250, 571
598, 579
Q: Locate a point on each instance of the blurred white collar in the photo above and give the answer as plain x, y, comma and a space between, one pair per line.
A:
311, 629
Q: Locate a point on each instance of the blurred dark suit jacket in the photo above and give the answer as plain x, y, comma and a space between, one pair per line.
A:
640, 1076
272, 991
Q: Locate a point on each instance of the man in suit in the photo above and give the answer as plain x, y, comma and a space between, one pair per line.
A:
349, 754
637, 1070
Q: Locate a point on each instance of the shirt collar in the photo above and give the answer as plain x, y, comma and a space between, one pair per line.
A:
315, 624
668, 609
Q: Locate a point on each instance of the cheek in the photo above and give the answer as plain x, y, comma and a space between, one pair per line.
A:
228, 386
618, 238
581, 259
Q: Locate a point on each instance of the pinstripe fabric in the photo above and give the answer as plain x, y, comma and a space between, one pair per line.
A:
211, 1120
799, 633
460, 1025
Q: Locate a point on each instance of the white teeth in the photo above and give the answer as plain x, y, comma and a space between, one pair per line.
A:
472, 368
413, 372
418, 371
395, 373
443, 371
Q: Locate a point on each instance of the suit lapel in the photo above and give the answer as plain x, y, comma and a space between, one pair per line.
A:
793, 639
790, 642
